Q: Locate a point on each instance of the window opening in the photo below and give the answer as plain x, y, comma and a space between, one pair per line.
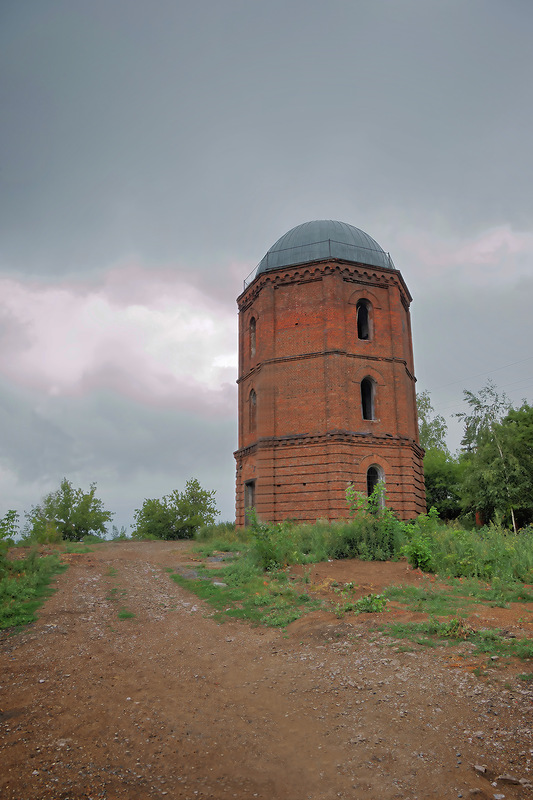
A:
372, 480
253, 410
373, 477
252, 336
367, 398
249, 499
363, 320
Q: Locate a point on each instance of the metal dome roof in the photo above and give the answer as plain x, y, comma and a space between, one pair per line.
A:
324, 238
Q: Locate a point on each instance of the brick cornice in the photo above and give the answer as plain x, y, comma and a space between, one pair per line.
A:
346, 437
322, 354
315, 270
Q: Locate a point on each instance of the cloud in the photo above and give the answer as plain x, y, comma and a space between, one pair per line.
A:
150, 336
494, 256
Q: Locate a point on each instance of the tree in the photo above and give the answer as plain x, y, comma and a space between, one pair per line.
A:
71, 512
498, 480
432, 428
8, 531
441, 469
486, 409
492, 477
177, 515
442, 477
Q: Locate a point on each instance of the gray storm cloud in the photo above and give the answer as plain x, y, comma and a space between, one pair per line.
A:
151, 154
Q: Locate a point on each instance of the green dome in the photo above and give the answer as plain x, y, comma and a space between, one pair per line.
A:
322, 239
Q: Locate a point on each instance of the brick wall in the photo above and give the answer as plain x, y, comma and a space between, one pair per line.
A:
307, 438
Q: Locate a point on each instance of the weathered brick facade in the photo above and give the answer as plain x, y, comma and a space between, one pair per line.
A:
303, 357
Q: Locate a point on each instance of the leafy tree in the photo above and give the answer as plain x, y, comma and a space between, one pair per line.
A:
486, 409
177, 515
8, 531
441, 469
498, 478
119, 535
494, 481
432, 428
9, 525
72, 513
442, 476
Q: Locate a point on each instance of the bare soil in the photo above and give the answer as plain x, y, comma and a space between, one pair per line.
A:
171, 704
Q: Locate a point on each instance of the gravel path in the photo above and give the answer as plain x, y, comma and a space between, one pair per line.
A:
168, 703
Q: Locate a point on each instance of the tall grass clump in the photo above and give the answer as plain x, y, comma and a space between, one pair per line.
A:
485, 553
373, 534
221, 537
24, 586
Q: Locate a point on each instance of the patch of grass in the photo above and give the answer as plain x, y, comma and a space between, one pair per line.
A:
124, 614
456, 630
369, 604
527, 677
458, 595
24, 588
249, 594
75, 547
437, 602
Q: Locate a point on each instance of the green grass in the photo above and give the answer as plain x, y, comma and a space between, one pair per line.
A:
486, 566
24, 587
208, 549
369, 604
425, 599
75, 547
457, 596
456, 630
249, 594
124, 614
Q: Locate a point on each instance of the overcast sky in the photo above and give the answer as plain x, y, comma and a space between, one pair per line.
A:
153, 150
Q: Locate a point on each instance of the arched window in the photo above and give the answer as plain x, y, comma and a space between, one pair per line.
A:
374, 475
363, 320
253, 410
367, 398
252, 337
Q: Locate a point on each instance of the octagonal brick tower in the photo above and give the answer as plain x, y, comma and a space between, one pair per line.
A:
326, 379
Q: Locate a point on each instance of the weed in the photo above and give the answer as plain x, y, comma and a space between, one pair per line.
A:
527, 677
370, 603
123, 614
24, 587
455, 628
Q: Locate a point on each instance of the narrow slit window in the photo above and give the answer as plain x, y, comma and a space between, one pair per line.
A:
252, 336
363, 320
253, 410
367, 398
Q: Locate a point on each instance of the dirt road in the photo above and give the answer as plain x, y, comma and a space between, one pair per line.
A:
170, 704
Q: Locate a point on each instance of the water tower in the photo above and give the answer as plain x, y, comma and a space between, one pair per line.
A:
326, 379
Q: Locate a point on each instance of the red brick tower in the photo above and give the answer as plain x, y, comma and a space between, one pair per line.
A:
326, 379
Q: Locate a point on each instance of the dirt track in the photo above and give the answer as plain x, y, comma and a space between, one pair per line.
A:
171, 704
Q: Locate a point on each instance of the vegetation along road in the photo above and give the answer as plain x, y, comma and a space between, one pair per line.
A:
127, 686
